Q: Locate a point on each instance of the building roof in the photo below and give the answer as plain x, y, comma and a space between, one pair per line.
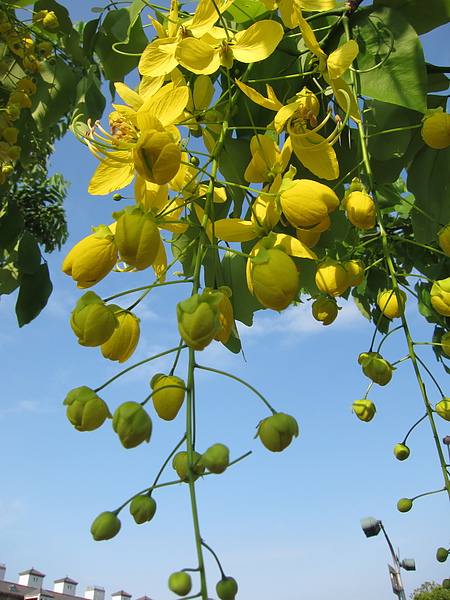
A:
67, 580
32, 571
39, 592
122, 593
14, 590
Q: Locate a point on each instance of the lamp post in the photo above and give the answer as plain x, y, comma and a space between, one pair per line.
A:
372, 527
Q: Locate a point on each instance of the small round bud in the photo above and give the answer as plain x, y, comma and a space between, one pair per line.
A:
404, 505
142, 508
401, 451
227, 588
180, 583
441, 554
105, 526
216, 458
132, 424
276, 432
364, 409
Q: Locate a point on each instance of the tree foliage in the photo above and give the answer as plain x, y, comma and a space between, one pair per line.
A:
430, 591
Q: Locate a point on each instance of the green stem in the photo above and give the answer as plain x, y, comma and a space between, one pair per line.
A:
136, 365
240, 381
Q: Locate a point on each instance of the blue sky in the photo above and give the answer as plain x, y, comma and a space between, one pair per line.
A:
284, 525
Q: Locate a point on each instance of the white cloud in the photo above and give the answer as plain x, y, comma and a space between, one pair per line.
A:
297, 320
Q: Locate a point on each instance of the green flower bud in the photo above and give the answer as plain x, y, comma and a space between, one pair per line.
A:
105, 526
132, 424
180, 464
441, 554
446, 584
401, 451
445, 341
227, 588
364, 409
325, 310
92, 321
440, 296
199, 319
276, 432
443, 408
375, 367
137, 237
404, 505
180, 583
216, 458
142, 508
85, 410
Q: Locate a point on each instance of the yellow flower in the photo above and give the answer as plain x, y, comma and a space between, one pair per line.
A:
143, 138
361, 210
332, 277
287, 12
273, 278
332, 67
137, 237
436, 129
306, 203
314, 152
267, 159
159, 57
92, 258
216, 48
125, 337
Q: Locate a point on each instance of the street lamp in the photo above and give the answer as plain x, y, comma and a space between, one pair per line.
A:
372, 527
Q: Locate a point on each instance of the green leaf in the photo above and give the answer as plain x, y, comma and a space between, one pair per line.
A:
381, 117
33, 295
244, 303
55, 94
233, 162
90, 102
10, 277
245, 11
11, 225
28, 254
120, 41
423, 16
390, 61
428, 180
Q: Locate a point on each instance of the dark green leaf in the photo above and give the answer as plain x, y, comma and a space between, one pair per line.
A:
390, 60
54, 97
244, 303
11, 225
33, 295
28, 254
429, 181
120, 42
423, 16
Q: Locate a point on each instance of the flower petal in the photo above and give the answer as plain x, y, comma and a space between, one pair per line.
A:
293, 246
234, 230
158, 57
197, 56
271, 102
110, 177
340, 60
317, 155
258, 41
